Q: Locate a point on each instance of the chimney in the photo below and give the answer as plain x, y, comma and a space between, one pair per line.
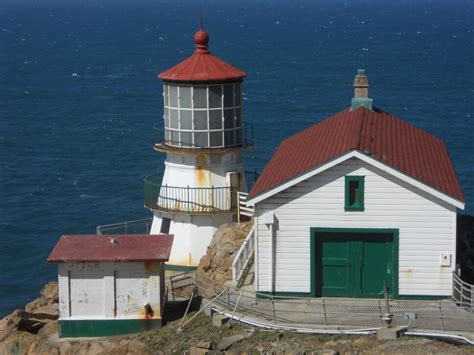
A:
361, 91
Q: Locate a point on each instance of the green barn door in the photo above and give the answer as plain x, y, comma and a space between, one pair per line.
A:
335, 267
374, 264
353, 264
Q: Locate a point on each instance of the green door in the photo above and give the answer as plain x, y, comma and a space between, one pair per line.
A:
353, 264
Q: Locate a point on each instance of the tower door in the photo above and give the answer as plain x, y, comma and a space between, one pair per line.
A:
234, 182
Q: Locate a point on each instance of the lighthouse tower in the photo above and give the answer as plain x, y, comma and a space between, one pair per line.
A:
204, 136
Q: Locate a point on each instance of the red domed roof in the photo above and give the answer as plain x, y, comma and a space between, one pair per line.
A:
202, 65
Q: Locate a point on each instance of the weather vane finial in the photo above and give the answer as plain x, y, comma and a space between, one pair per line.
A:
201, 19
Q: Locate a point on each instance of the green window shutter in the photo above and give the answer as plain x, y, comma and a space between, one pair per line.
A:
354, 193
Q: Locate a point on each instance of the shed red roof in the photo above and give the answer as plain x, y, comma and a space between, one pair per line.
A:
94, 248
378, 134
202, 65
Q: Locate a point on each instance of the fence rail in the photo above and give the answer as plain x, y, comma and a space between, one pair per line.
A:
463, 293
206, 200
242, 208
139, 226
243, 258
336, 313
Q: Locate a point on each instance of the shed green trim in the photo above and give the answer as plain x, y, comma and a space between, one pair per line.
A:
171, 267
369, 231
359, 205
104, 327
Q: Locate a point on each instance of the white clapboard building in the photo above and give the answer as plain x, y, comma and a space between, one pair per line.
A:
360, 200
110, 285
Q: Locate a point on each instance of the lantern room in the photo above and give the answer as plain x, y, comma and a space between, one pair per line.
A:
203, 101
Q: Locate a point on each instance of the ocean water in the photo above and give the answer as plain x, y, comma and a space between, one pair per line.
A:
79, 97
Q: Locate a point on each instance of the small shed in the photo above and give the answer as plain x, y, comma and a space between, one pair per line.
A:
110, 285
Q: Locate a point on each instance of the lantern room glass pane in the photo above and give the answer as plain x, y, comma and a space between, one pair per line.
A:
229, 138
167, 117
229, 118
174, 118
200, 120
228, 95
173, 94
200, 96
215, 119
186, 138
167, 134
185, 96
238, 94
215, 96
186, 120
175, 137
238, 118
200, 139
238, 136
216, 139
165, 97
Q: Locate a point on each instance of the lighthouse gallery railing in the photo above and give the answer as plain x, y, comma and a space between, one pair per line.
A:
206, 200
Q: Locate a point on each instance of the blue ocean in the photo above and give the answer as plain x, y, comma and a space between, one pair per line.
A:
79, 97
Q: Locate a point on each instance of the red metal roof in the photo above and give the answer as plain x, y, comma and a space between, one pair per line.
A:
202, 65
94, 248
378, 134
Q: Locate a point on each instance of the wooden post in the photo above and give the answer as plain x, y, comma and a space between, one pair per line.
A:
325, 316
238, 206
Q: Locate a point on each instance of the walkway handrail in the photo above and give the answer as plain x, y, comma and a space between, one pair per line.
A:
336, 313
186, 199
242, 208
142, 226
463, 293
243, 257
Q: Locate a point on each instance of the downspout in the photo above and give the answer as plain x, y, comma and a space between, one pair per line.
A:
272, 259
255, 255
270, 220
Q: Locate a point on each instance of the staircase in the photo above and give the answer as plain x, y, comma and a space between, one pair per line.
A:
243, 260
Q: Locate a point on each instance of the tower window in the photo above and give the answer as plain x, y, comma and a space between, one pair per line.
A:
354, 193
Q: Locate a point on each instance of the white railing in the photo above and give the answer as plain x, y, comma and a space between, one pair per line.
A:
243, 258
140, 226
242, 208
463, 293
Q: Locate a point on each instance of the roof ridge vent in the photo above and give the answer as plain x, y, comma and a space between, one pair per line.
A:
361, 91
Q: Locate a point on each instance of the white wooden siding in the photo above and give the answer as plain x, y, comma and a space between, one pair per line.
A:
426, 226
109, 290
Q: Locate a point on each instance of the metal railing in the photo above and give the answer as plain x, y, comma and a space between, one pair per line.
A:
251, 178
335, 313
242, 208
139, 226
463, 293
244, 139
180, 282
206, 200
243, 258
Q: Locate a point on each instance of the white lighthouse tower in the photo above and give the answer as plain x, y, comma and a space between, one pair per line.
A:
204, 136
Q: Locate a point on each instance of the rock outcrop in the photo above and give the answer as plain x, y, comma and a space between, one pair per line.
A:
34, 331
215, 268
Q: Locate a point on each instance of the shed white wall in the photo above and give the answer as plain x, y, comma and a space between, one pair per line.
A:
427, 228
109, 290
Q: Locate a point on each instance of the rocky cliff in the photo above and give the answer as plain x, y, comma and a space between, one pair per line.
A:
215, 268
